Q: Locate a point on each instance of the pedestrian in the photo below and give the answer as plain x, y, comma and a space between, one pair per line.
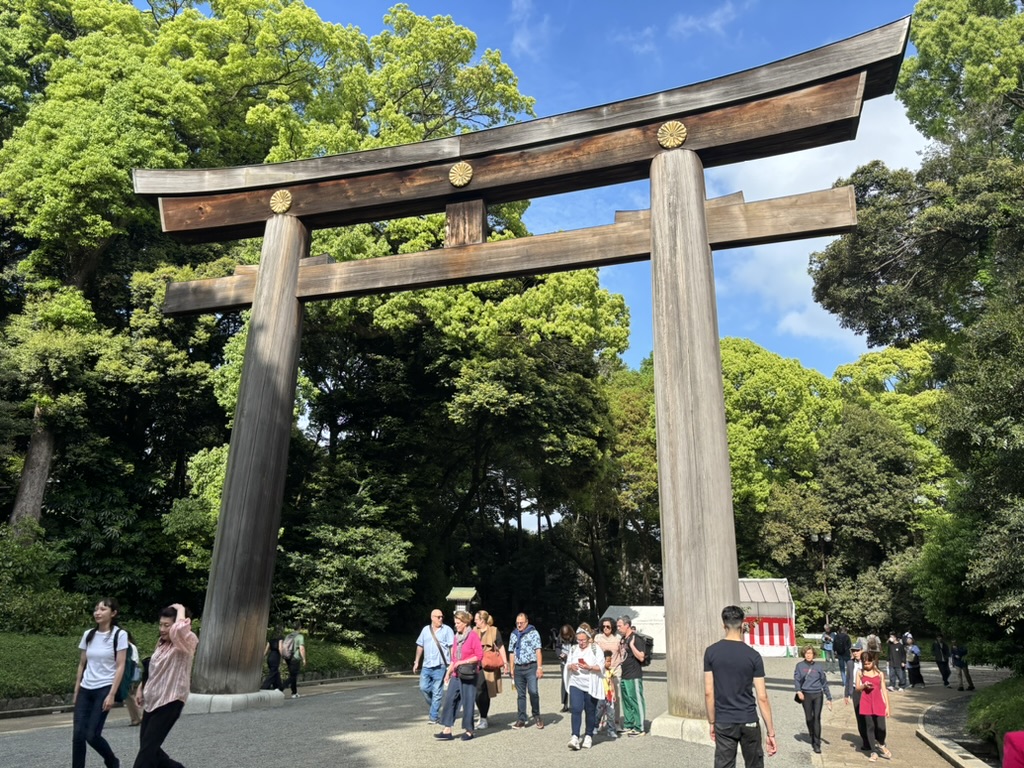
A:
461, 676
940, 652
606, 720
272, 650
134, 713
163, 693
101, 663
489, 683
897, 663
958, 656
583, 681
634, 707
874, 704
826, 646
566, 640
913, 661
607, 640
434, 650
293, 649
811, 686
527, 662
841, 644
850, 692
733, 677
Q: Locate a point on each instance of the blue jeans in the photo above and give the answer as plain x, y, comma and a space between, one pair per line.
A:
581, 702
843, 661
432, 686
88, 727
525, 679
459, 693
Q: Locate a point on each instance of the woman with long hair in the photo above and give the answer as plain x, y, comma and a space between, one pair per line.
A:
461, 678
100, 669
274, 651
874, 704
489, 680
607, 639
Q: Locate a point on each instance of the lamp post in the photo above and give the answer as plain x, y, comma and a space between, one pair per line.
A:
824, 539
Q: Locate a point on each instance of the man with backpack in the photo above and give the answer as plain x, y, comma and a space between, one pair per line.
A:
634, 708
294, 652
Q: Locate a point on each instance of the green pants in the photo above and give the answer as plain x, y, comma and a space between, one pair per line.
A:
634, 711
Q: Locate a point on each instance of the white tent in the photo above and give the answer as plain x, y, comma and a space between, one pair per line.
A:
771, 616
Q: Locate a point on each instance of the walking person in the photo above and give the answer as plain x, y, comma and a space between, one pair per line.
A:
434, 651
134, 713
489, 681
897, 663
634, 707
734, 690
273, 652
583, 681
566, 640
841, 645
527, 669
607, 640
850, 692
461, 677
913, 661
165, 689
100, 669
811, 686
606, 705
958, 656
940, 652
293, 649
826, 646
874, 704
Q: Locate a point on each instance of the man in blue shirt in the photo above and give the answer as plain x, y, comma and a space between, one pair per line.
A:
434, 649
525, 656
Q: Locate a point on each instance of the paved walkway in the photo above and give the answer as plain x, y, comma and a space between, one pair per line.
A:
382, 724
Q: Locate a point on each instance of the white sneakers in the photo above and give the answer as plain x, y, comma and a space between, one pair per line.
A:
574, 743
587, 743
481, 723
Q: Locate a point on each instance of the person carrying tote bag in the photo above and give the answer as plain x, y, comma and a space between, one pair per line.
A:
495, 660
461, 677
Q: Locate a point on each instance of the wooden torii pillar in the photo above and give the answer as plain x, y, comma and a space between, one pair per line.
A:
804, 101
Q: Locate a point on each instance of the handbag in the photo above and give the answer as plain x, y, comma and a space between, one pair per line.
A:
492, 659
466, 673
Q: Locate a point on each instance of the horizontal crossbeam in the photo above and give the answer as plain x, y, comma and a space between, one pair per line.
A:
731, 224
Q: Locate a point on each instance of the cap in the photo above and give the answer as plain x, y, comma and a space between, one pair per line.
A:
858, 646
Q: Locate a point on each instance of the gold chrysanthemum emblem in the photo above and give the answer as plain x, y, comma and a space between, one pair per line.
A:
281, 201
672, 134
460, 174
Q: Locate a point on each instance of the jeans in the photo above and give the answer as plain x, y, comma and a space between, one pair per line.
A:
746, 736
459, 693
581, 702
88, 727
897, 676
843, 661
812, 715
155, 727
525, 680
432, 686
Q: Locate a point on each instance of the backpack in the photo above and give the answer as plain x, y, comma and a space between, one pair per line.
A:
289, 646
130, 669
648, 648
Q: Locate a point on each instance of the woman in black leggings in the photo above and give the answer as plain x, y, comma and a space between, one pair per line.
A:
811, 689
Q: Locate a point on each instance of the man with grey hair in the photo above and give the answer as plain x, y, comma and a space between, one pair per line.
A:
634, 709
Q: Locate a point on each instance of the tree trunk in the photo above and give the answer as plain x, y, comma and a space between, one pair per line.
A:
32, 486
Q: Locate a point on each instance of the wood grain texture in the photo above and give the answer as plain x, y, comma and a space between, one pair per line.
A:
698, 542
230, 656
465, 223
878, 53
792, 121
730, 224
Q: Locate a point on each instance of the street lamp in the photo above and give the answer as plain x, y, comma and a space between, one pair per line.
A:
824, 539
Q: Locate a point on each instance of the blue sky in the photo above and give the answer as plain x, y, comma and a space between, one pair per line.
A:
570, 55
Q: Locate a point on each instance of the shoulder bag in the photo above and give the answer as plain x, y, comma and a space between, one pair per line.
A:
492, 659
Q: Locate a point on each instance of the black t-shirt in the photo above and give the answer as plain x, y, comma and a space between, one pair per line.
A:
734, 665
631, 668
841, 644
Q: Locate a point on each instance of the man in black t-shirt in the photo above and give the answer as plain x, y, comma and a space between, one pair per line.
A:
733, 671
842, 644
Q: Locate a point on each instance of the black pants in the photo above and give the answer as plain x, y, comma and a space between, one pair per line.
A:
155, 727
483, 695
876, 730
812, 714
273, 680
944, 671
294, 665
747, 737
862, 726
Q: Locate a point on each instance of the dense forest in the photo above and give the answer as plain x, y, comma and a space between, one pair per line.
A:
488, 435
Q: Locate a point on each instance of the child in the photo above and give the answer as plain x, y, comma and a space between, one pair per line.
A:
606, 706
874, 704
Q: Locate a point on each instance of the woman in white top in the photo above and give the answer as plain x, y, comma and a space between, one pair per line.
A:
100, 668
583, 679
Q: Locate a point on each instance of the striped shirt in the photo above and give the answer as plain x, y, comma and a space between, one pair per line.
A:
170, 667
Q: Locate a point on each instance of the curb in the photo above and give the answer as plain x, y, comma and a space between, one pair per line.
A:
948, 749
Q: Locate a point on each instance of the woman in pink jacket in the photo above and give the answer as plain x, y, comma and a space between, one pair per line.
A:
461, 678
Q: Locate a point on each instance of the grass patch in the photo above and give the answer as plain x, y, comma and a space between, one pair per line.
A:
997, 709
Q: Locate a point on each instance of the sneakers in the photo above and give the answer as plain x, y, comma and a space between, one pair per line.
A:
431, 721
481, 723
295, 695
634, 732
960, 688
539, 722
970, 687
612, 734
519, 724
574, 743
587, 742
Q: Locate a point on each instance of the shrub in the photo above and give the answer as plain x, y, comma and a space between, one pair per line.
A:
997, 709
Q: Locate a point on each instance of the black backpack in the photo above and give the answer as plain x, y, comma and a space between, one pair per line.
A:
648, 649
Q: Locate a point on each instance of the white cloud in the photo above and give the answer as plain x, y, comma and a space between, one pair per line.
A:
716, 21
640, 43
531, 35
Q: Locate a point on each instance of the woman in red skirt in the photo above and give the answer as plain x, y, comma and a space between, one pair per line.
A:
874, 704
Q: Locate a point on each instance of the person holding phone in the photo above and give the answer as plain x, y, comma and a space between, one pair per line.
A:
585, 685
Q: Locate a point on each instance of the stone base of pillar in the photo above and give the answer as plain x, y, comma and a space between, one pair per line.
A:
683, 728
208, 704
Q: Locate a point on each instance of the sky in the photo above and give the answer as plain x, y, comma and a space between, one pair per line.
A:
570, 55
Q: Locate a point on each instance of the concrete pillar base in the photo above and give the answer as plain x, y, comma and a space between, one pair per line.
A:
208, 704
684, 728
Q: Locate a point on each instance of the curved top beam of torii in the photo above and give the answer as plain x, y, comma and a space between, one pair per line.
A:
807, 100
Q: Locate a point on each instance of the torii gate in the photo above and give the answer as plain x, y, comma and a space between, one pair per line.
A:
808, 100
